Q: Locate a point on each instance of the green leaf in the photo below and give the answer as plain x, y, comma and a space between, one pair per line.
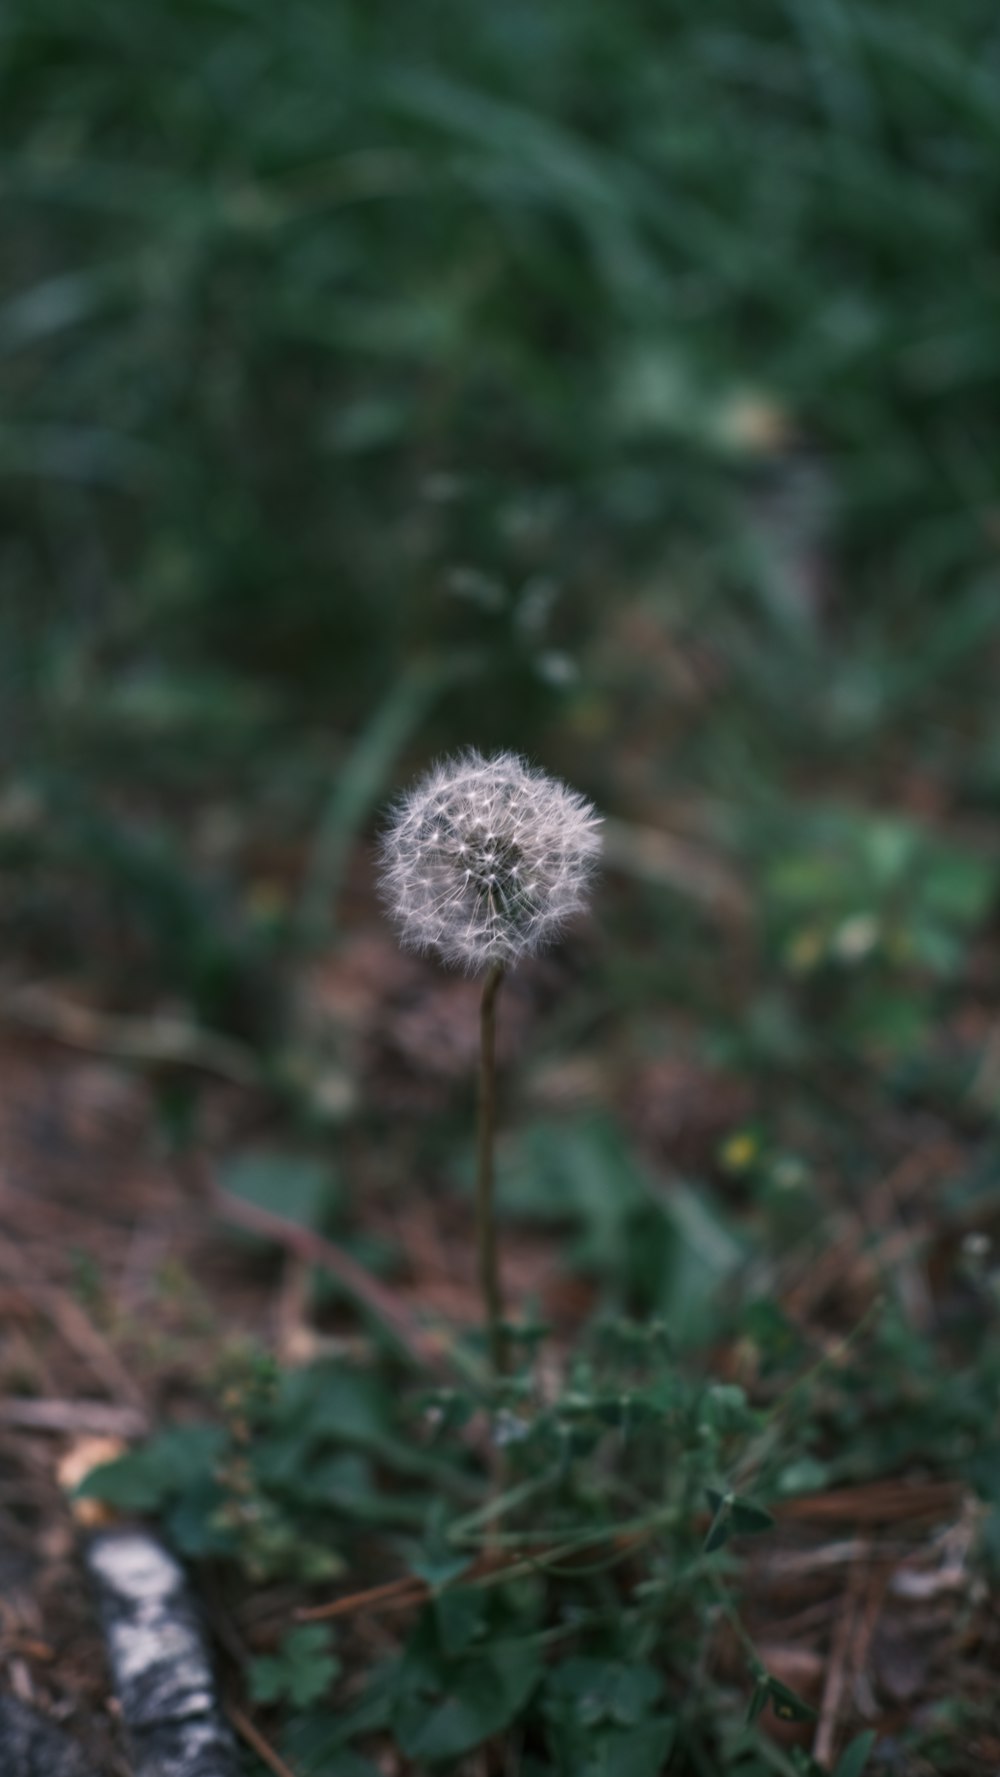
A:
191, 1522
595, 1691
632, 1692
786, 1704
459, 1617
639, 1751
734, 1515
313, 1736
350, 1764
599, 1720
749, 1518
718, 1535
804, 1474
471, 1701
854, 1758
292, 1185
720, 1529
316, 1740
332, 1401
447, 1409
145, 1480
301, 1671
758, 1698
724, 1407
439, 1566
958, 886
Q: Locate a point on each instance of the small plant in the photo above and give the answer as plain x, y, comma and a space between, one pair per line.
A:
301, 1671
483, 862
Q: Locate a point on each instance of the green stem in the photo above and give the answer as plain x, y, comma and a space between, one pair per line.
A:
486, 1230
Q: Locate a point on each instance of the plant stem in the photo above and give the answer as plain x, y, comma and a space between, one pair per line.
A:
486, 1230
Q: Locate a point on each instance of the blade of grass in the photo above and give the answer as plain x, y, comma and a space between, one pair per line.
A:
357, 787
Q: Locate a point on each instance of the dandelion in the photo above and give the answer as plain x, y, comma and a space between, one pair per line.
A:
483, 861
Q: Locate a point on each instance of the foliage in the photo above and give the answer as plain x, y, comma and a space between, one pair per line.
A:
301, 1671
576, 1549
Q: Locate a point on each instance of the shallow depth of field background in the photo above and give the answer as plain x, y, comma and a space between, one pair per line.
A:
612, 383
611, 386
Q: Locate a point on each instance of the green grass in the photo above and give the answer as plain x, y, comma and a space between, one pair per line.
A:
339, 349
305, 312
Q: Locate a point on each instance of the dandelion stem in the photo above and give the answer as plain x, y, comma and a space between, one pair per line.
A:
486, 1229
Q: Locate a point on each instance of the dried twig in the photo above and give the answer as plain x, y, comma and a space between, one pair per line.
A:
876, 1502
492, 1564
841, 1646
880, 1574
421, 1346
96, 1418
256, 1741
662, 858
157, 1041
393, 1595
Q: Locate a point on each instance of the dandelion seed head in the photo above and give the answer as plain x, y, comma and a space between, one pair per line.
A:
483, 860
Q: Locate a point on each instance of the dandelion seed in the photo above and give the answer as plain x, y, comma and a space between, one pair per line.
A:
486, 889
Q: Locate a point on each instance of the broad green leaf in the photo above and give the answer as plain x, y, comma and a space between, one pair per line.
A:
476, 1698
638, 1751
147, 1478
854, 1758
291, 1185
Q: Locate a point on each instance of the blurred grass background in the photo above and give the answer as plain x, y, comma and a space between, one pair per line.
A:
613, 384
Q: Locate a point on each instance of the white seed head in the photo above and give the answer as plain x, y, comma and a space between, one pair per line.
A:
484, 859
